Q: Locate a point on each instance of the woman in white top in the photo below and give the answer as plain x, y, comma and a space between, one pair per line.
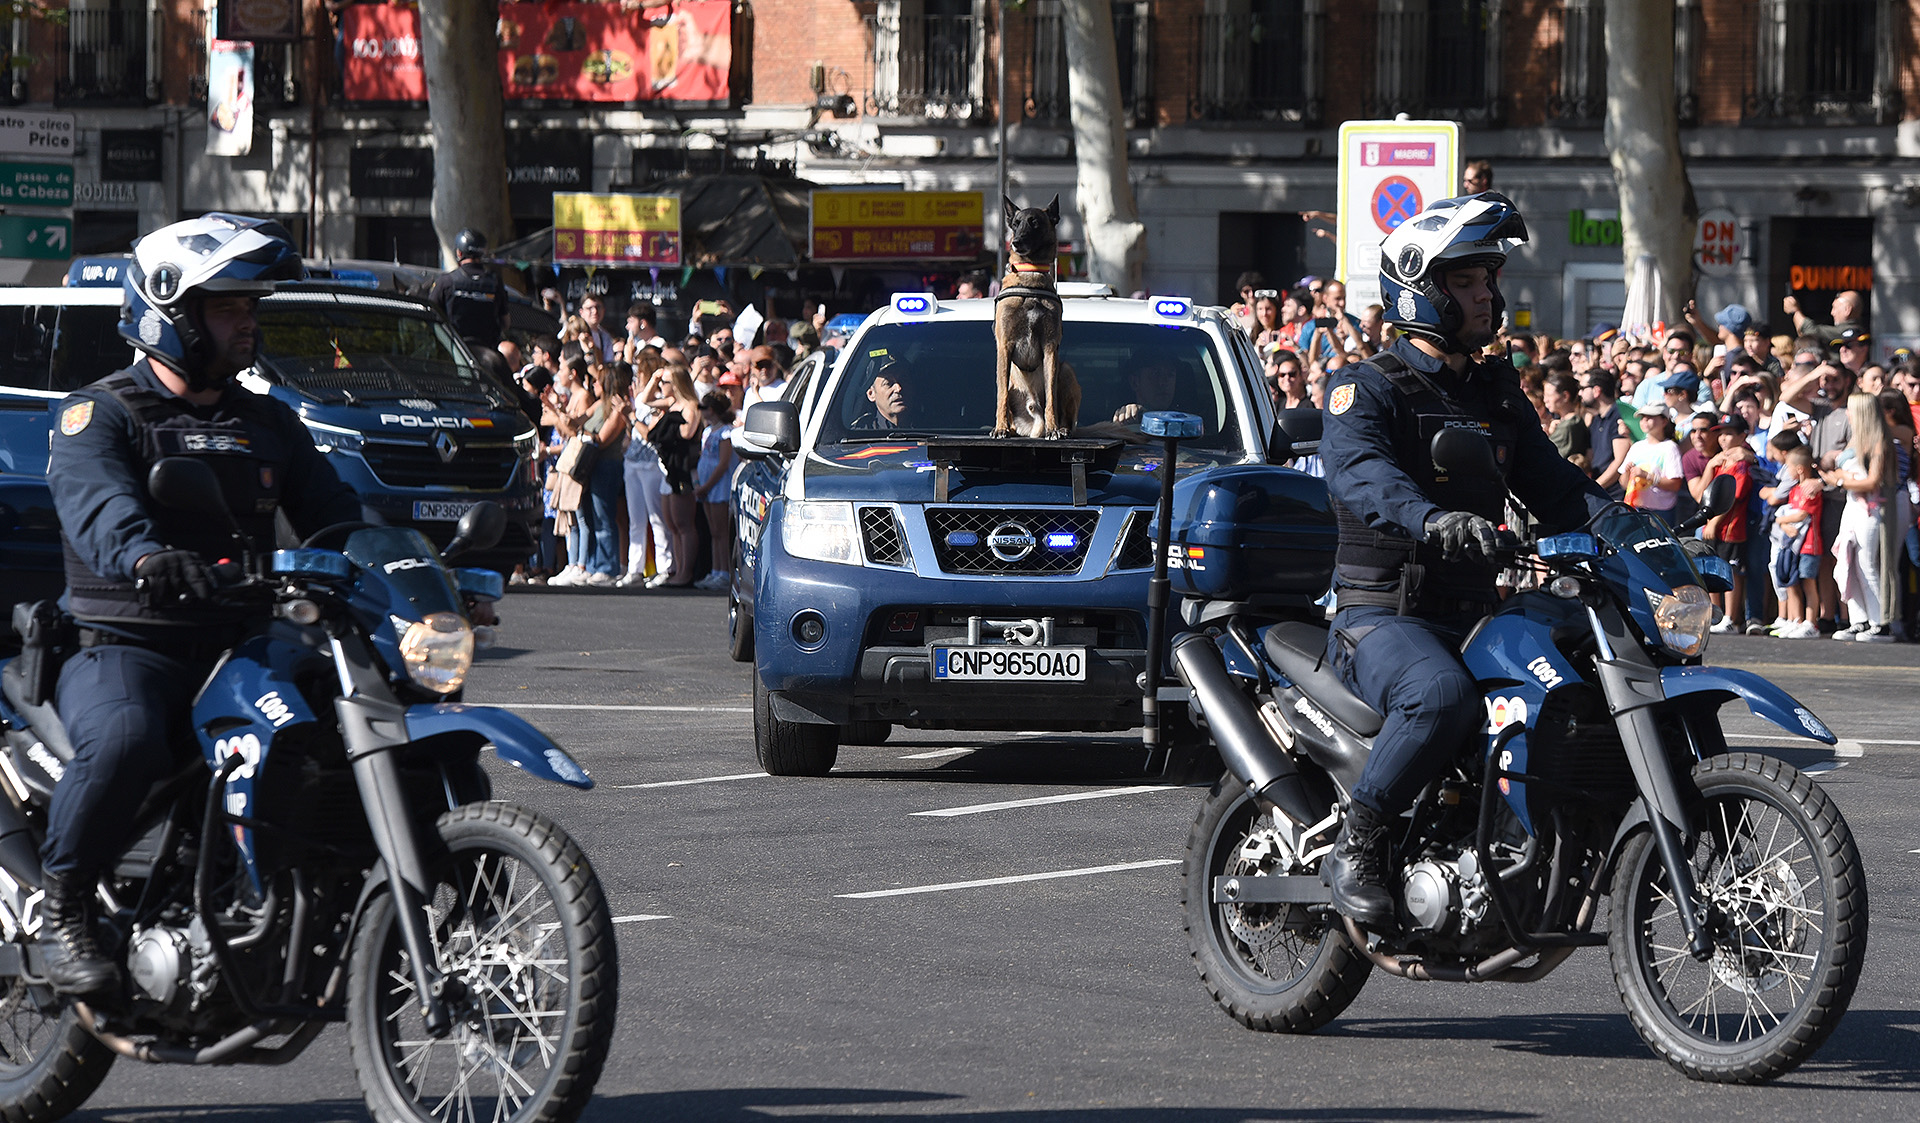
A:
1864, 471
1653, 475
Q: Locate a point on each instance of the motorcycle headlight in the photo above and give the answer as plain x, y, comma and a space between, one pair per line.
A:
1683, 618
438, 651
820, 531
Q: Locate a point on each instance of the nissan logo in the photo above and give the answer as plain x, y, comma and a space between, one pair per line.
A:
1011, 542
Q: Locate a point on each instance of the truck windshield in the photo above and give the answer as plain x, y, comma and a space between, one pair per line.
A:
938, 378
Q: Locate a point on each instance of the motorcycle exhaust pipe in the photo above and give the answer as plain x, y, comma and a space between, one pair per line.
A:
1246, 747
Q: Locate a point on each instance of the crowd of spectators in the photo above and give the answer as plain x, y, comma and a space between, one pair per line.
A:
638, 436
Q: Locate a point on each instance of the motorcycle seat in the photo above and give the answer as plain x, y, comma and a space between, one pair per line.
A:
1299, 649
44, 719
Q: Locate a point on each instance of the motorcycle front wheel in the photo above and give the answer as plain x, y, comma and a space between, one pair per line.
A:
525, 941
1786, 907
1275, 968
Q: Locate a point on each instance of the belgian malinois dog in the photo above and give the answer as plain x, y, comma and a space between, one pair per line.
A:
1038, 394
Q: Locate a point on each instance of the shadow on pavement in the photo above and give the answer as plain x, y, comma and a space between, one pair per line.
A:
323, 1111
756, 1105
1031, 760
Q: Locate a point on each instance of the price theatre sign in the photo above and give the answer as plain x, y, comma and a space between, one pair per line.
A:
860, 226
632, 230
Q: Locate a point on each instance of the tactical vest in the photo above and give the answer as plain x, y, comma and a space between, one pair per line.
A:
473, 304
1394, 570
246, 446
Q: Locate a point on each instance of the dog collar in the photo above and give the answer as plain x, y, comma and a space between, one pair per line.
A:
1028, 267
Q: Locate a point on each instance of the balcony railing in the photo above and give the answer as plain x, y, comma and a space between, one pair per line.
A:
1579, 28
101, 59
925, 66
1822, 60
1047, 61
279, 71
1437, 58
1263, 65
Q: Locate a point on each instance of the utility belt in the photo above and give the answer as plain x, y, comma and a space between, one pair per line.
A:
1407, 598
194, 648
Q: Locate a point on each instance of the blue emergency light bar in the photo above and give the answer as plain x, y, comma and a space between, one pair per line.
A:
1062, 540
1171, 307
962, 539
917, 305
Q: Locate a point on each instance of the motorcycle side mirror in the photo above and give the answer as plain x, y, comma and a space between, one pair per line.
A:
1718, 500
1296, 432
1464, 452
183, 483
479, 528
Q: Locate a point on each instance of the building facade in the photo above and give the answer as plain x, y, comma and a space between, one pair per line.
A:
1800, 123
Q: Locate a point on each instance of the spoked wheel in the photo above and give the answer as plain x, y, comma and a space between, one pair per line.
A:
1278, 968
525, 942
48, 1064
1786, 907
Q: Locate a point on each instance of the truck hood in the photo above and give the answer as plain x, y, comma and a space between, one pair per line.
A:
903, 472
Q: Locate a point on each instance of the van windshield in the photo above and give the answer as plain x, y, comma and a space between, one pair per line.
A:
338, 347
938, 379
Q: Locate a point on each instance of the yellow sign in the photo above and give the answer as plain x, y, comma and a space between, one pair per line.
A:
590, 229
896, 225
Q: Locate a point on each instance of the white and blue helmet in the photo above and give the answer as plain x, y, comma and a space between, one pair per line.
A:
223, 254
1475, 230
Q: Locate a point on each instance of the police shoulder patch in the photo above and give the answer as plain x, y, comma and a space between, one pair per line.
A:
75, 417
1341, 400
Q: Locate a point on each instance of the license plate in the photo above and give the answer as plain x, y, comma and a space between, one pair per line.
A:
445, 511
1011, 664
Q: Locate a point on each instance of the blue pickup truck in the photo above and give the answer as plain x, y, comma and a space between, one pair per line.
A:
898, 566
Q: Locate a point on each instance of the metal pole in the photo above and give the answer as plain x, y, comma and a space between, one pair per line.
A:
1157, 605
1000, 111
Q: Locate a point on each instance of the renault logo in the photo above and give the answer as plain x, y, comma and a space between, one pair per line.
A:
1011, 542
446, 446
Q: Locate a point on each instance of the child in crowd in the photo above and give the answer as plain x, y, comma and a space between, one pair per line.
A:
1796, 562
1728, 533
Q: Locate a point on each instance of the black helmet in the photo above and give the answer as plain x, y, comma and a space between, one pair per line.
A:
469, 242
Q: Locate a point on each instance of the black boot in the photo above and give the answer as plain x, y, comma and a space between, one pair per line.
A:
75, 964
1356, 870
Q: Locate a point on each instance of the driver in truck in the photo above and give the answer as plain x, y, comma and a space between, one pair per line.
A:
891, 398
1415, 564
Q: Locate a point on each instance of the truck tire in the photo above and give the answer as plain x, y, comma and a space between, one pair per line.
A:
739, 630
790, 748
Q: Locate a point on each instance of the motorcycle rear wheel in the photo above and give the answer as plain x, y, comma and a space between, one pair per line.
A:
523, 934
49, 1065
1274, 968
1786, 907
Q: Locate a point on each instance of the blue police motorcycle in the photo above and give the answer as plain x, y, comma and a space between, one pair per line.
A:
328, 850
1738, 915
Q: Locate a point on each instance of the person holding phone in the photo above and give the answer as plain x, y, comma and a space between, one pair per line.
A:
1336, 331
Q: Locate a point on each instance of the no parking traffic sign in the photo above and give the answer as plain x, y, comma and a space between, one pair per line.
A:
1389, 172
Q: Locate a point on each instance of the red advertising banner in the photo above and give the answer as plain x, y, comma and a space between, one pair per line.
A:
562, 50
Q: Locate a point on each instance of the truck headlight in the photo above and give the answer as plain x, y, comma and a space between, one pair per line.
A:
438, 651
820, 531
1682, 617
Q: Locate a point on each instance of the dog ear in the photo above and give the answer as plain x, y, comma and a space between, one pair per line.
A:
1013, 208
1053, 211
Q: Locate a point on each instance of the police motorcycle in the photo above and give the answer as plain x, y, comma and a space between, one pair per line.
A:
330, 853
1738, 908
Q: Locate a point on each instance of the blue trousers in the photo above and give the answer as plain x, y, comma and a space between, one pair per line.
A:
121, 706
602, 506
1408, 669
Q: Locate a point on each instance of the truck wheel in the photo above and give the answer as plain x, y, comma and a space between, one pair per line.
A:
790, 748
866, 732
739, 630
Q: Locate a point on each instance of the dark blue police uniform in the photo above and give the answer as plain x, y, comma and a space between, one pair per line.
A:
1403, 609
126, 695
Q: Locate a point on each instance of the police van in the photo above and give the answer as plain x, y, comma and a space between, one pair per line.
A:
899, 566
385, 387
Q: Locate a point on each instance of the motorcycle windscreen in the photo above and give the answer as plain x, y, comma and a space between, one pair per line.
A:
409, 566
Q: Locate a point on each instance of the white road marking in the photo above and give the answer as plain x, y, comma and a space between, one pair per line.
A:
1824, 766
1041, 800
1087, 872
700, 780
936, 753
632, 709
639, 916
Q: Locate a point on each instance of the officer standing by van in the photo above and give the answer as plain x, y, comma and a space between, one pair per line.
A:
140, 577
471, 295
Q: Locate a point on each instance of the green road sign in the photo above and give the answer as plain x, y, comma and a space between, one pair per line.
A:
35, 236
40, 185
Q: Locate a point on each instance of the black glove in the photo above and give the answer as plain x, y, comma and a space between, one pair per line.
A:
173, 577
1462, 534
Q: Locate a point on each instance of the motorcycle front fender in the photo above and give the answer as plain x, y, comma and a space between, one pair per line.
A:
514, 739
1761, 696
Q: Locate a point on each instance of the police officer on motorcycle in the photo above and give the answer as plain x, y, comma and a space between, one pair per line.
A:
139, 577
1414, 569
473, 298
